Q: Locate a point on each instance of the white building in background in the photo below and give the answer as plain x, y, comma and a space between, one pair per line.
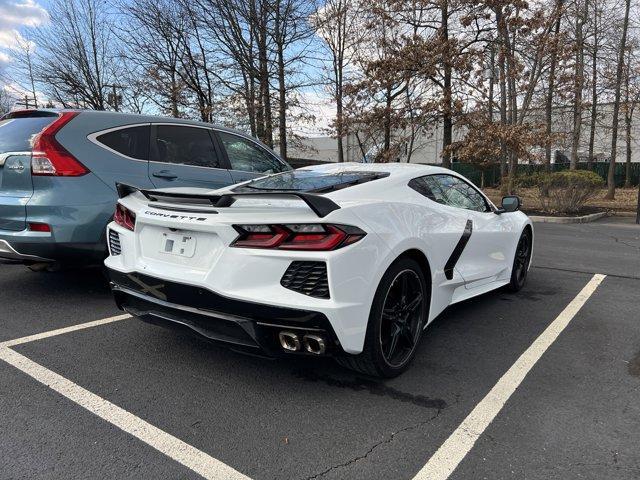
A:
428, 147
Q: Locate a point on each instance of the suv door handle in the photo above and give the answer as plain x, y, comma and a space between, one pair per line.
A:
165, 174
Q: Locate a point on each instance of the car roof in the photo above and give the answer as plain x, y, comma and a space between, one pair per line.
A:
141, 118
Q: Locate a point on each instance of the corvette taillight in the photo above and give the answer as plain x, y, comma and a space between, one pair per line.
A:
124, 217
315, 237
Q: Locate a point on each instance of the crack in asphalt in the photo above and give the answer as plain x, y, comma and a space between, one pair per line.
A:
607, 235
384, 441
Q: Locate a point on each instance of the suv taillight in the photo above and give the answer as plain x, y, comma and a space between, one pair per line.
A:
124, 217
315, 236
52, 159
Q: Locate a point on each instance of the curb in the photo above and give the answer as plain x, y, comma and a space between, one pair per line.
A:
624, 214
583, 219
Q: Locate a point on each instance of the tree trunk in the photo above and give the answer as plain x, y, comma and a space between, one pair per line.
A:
492, 78
339, 127
387, 124
594, 86
627, 122
627, 170
447, 121
503, 99
638, 210
265, 94
173, 95
282, 105
611, 184
552, 79
577, 87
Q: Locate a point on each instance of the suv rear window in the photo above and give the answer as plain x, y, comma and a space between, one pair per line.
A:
310, 181
132, 142
16, 134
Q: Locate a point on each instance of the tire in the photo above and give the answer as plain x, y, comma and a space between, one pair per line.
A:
404, 318
521, 261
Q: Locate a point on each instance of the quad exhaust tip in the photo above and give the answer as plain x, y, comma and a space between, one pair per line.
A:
289, 341
313, 344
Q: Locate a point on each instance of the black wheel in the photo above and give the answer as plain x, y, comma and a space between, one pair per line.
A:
521, 262
397, 317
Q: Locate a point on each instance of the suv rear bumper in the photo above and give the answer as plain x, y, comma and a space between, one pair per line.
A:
35, 247
8, 252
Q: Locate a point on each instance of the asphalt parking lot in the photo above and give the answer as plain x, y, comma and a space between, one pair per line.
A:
575, 414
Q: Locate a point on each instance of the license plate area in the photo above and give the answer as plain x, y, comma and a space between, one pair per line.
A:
182, 244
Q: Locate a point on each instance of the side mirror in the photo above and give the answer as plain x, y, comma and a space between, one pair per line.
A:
510, 204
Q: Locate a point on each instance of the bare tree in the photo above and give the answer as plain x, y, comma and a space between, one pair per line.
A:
290, 31
595, 50
581, 13
75, 57
611, 184
23, 65
338, 24
553, 62
6, 101
154, 52
631, 99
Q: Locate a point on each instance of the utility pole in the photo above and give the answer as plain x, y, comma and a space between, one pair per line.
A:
113, 98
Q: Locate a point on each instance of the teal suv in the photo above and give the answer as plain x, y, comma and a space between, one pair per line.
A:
59, 169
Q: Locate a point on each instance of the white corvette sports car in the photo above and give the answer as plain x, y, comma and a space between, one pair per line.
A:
347, 260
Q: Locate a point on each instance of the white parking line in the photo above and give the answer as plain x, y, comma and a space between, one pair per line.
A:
172, 447
62, 331
447, 458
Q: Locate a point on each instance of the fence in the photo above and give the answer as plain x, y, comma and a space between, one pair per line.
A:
490, 177
492, 174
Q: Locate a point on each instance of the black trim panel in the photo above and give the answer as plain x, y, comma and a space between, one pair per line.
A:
213, 316
457, 252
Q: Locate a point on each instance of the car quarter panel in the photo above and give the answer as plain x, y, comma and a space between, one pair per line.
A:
411, 224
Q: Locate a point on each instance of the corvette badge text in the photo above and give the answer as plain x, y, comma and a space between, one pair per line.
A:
177, 217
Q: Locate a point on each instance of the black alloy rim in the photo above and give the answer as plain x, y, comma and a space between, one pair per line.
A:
401, 321
522, 258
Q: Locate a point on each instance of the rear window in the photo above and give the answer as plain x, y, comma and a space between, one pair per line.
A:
310, 181
132, 142
16, 134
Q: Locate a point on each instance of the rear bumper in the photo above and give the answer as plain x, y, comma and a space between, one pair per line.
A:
238, 324
8, 252
34, 247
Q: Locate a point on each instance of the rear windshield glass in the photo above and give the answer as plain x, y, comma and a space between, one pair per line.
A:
310, 181
16, 133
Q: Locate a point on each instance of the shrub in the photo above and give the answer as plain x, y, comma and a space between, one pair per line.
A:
567, 191
529, 181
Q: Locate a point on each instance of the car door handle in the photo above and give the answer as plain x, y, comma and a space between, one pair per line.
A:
165, 174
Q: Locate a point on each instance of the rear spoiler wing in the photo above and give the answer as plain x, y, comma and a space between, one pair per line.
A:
321, 206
